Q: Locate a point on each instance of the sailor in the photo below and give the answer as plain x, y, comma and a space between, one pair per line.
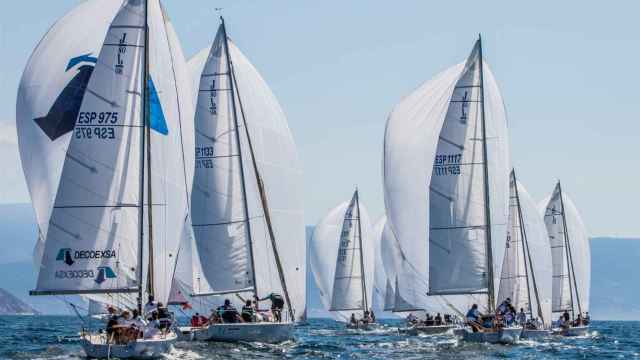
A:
228, 312
365, 317
150, 307
277, 304
353, 320
137, 323
521, 318
195, 320
411, 318
503, 308
473, 318
578, 321
438, 319
248, 312
153, 327
111, 321
164, 317
587, 318
372, 315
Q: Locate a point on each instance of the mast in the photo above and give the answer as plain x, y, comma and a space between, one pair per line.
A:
150, 274
260, 183
362, 273
239, 149
567, 244
526, 254
143, 147
487, 204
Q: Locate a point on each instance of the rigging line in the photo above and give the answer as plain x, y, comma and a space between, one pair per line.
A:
182, 152
260, 183
240, 158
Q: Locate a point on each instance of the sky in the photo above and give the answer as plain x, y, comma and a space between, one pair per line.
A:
567, 71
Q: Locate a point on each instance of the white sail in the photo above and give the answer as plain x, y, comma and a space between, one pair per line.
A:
439, 125
349, 285
526, 270
572, 263
280, 170
218, 205
379, 275
92, 244
389, 296
49, 98
390, 257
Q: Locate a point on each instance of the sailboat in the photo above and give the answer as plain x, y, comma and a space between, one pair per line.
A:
341, 256
455, 125
397, 273
526, 267
571, 259
246, 205
121, 203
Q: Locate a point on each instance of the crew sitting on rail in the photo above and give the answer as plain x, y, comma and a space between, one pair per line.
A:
198, 320
228, 313
248, 312
438, 319
277, 304
474, 317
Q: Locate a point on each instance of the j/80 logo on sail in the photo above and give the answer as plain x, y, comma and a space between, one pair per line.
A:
70, 256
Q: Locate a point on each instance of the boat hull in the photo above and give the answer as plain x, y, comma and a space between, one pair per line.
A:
572, 331
264, 332
434, 330
530, 334
96, 347
363, 327
188, 333
502, 336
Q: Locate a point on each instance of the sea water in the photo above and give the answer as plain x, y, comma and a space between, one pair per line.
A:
56, 337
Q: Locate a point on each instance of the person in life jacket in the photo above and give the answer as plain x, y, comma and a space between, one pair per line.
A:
248, 313
277, 304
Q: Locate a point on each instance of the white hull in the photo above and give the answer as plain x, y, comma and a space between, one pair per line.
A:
534, 334
95, 346
502, 336
434, 330
572, 331
188, 333
264, 332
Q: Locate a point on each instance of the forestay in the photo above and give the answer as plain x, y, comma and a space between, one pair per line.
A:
570, 253
379, 275
277, 160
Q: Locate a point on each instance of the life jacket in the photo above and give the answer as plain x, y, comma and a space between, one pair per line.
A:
277, 301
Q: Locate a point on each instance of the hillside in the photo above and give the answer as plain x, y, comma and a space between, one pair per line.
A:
614, 289
11, 305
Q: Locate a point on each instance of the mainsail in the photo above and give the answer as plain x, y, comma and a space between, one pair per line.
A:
266, 145
445, 175
95, 238
570, 254
526, 268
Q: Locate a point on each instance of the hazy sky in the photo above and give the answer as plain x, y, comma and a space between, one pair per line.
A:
568, 71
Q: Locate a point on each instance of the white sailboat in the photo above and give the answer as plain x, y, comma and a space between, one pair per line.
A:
457, 123
246, 205
340, 253
526, 267
121, 202
379, 274
571, 259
